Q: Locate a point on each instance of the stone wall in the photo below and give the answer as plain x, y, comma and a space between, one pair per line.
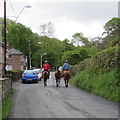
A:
6, 86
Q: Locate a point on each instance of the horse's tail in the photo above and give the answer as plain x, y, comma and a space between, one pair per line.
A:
45, 75
58, 74
58, 71
67, 75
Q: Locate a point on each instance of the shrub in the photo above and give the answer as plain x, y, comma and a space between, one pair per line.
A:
15, 75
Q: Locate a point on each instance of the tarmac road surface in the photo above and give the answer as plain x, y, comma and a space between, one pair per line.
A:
36, 101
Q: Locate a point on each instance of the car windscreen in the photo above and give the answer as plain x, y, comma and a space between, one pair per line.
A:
37, 71
29, 72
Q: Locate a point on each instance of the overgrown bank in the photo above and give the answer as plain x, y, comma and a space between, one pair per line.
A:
99, 74
6, 106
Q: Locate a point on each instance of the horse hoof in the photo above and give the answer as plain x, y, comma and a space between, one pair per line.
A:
66, 85
45, 84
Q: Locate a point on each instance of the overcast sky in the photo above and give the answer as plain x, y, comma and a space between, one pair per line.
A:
67, 16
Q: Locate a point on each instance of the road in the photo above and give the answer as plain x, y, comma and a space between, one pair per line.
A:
37, 101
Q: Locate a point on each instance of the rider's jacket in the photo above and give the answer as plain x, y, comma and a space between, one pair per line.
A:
46, 66
66, 66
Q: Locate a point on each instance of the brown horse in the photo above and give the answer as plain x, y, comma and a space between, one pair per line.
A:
57, 77
66, 75
45, 77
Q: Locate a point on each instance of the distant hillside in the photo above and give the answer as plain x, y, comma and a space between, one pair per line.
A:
99, 74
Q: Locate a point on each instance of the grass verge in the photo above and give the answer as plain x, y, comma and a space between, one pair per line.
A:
6, 106
104, 84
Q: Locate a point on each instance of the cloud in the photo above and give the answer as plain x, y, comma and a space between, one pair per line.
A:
68, 16
66, 28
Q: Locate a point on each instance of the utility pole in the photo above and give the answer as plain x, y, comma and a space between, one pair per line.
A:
42, 58
5, 42
41, 61
29, 56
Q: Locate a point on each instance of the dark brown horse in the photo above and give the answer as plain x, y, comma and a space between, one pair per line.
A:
57, 77
66, 75
45, 77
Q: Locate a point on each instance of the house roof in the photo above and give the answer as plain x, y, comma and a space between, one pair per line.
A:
1, 43
13, 51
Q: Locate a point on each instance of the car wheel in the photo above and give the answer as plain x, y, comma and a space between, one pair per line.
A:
23, 82
36, 81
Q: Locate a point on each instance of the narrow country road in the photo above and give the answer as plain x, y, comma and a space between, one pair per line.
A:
37, 101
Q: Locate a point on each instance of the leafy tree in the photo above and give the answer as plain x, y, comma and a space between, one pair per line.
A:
47, 30
75, 56
80, 40
67, 45
112, 32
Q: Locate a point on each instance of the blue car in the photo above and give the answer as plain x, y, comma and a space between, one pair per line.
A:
29, 76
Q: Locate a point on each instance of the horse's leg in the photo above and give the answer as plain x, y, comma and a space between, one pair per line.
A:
67, 83
56, 82
59, 82
44, 83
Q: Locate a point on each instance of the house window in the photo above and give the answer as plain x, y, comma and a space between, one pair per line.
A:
22, 58
25, 59
9, 67
21, 67
10, 56
0, 49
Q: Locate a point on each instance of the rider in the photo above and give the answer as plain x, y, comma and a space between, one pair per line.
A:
66, 66
46, 67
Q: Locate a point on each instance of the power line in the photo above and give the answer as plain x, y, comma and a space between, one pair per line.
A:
12, 9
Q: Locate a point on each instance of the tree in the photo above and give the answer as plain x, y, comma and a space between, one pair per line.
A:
80, 40
75, 56
47, 30
112, 32
67, 45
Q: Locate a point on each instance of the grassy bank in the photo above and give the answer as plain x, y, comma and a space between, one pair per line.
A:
6, 106
102, 84
99, 74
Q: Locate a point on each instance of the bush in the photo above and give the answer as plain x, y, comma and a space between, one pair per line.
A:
102, 84
15, 75
99, 74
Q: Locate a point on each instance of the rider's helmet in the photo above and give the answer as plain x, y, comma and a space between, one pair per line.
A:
66, 61
46, 61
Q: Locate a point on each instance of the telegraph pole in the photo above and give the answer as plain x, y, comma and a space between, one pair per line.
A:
5, 42
29, 56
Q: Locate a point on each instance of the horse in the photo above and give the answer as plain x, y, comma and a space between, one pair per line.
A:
66, 75
45, 77
57, 77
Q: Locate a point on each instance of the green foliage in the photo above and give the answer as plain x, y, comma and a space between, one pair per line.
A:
6, 106
15, 75
79, 38
75, 56
113, 33
57, 51
99, 74
92, 51
67, 46
103, 84
19, 37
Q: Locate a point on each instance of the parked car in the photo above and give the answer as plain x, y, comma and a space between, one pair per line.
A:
39, 73
29, 76
33, 68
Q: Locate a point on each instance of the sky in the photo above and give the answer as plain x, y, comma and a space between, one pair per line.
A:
67, 16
